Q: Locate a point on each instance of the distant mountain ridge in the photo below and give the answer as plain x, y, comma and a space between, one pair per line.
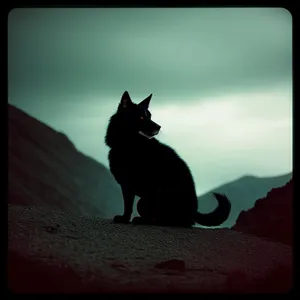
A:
45, 169
243, 194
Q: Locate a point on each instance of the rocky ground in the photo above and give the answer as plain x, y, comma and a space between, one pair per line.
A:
53, 251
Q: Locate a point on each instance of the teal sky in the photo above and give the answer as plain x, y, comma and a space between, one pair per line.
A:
221, 80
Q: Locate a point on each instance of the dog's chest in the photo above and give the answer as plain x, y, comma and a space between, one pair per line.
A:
135, 167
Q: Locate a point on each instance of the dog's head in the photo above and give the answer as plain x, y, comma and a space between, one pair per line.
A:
136, 118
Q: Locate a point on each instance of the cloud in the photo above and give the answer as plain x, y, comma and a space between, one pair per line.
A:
221, 138
172, 52
232, 135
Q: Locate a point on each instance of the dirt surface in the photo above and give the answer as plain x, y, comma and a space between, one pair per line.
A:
52, 251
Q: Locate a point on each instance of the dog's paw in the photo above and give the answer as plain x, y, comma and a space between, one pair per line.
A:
121, 219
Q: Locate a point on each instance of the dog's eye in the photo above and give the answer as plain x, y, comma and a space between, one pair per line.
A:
142, 118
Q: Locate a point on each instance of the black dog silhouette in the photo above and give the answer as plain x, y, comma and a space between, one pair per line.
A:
153, 171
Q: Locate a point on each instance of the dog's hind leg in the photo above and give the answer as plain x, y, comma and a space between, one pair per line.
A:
172, 215
145, 211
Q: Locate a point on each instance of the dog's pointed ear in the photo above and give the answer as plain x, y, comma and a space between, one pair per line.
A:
125, 100
145, 103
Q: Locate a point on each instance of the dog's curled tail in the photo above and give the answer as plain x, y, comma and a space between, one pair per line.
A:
217, 216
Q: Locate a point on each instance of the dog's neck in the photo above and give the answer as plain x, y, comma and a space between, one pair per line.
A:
146, 136
118, 137
133, 141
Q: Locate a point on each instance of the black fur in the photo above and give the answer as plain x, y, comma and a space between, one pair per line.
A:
153, 171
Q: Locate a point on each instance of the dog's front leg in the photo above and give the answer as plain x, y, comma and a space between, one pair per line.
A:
157, 206
128, 198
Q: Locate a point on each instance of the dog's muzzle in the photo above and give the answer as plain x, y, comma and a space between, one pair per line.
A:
150, 129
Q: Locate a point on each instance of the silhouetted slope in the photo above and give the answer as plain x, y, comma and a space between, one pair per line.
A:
271, 217
45, 169
242, 193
